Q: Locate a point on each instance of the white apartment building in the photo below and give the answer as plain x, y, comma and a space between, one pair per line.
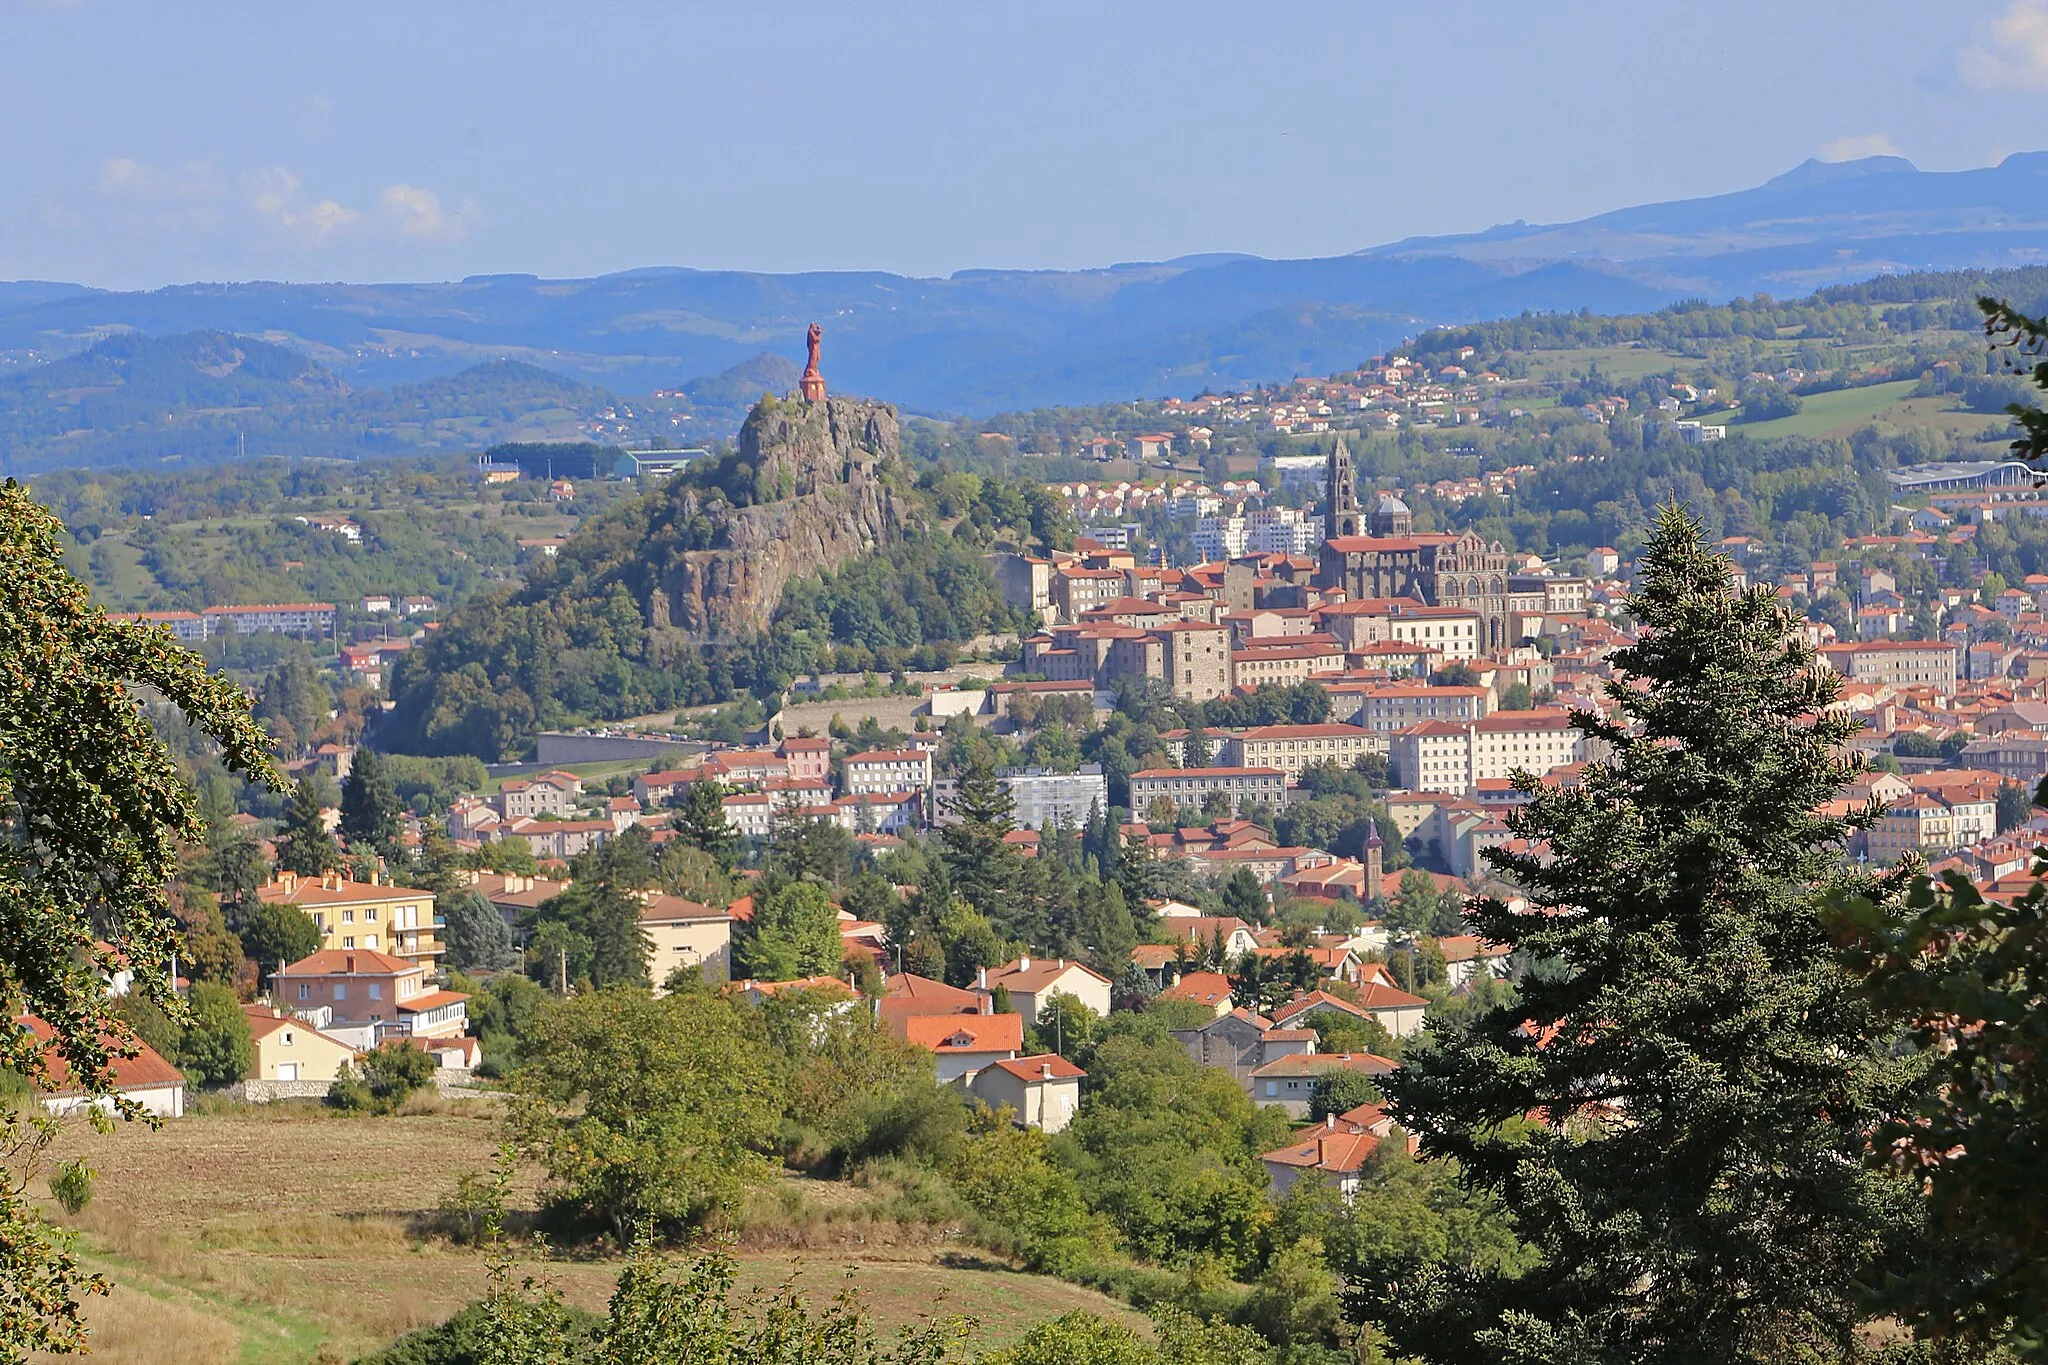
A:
1291, 748
888, 770
1452, 631
1187, 786
1397, 706
1221, 537
1455, 756
1283, 531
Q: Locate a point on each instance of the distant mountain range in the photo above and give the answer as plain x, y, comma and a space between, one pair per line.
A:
988, 340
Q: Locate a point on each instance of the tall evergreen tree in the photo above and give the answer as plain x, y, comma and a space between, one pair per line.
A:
1704, 1071
369, 804
702, 824
305, 846
985, 871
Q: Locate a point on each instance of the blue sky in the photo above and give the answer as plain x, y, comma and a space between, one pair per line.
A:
151, 143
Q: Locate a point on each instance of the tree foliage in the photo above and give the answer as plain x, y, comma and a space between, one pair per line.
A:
646, 1110
95, 812
1707, 1072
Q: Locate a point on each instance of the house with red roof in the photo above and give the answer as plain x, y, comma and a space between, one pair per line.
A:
1340, 1149
145, 1079
1040, 1092
1289, 1082
1211, 990
1032, 982
371, 996
907, 995
963, 1044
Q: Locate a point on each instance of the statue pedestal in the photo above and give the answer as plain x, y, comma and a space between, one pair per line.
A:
813, 386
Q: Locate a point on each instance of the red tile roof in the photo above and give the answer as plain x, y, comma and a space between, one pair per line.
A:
958, 1033
1034, 1068
145, 1070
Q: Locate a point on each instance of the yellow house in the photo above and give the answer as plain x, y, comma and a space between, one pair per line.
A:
682, 933
287, 1049
375, 915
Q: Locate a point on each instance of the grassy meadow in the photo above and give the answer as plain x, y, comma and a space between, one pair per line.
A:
297, 1235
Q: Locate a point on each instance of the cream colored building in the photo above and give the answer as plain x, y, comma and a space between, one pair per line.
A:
1290, 748
1454, 757
1040, 1092
683, 933
288, 1049
376, 916
1451, 631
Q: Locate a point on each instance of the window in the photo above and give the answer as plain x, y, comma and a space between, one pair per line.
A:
1272, 1089
370, 915
370, 942
285, 1039
348, 942
341, 990
376, 990
305, 990
348, 917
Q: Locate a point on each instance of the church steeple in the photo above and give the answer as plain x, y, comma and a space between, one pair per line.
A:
1340, 495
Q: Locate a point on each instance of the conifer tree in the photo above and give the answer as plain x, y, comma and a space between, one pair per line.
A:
985, 871
702, 824
1702, 1072
305, 846
369, 804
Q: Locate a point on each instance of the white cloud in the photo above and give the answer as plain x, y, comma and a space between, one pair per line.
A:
123, 177
414, 212
1855, 148
275, 196
2014, 52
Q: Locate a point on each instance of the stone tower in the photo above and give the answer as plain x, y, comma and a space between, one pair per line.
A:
1374, 863
1340, 495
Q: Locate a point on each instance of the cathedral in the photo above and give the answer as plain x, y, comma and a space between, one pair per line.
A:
1382, 556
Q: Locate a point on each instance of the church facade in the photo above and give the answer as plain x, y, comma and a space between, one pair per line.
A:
1384, 557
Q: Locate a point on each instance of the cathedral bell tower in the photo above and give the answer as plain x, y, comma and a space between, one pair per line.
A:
1340, 495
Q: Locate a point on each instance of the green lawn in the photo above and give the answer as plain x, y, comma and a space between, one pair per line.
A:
1829, 414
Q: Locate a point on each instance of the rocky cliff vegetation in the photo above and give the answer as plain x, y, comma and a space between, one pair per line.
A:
813, 543
826, 468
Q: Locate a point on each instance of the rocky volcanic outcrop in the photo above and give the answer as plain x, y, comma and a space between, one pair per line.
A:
818, 467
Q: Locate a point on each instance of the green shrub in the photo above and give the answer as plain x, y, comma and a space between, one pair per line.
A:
72, 1185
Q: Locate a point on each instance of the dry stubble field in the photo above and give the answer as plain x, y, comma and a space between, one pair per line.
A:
294, 1234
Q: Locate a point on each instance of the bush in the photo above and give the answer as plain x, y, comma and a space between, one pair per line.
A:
72, 1185
216, 1048
383, 1079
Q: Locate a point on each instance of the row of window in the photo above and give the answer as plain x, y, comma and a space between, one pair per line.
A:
375, 990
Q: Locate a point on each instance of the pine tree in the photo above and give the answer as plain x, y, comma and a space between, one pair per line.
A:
1706, 1072
702, 824
369, 804
1245, 898
985, 871
305, 846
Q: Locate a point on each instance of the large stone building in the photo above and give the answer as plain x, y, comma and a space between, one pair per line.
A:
1440, 569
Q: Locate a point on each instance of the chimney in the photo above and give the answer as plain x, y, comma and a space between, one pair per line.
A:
1045, 1071
1023, 964
981, 978
1330, 1122
349, 963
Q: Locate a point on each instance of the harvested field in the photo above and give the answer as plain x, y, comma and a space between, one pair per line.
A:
293, 1234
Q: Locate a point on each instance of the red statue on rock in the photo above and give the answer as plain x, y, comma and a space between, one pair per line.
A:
813, 383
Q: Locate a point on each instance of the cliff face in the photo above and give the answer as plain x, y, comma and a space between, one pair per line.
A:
818, 462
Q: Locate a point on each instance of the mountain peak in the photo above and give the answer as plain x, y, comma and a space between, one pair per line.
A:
1814, 171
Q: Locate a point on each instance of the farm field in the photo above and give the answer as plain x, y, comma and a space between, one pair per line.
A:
297, 1235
